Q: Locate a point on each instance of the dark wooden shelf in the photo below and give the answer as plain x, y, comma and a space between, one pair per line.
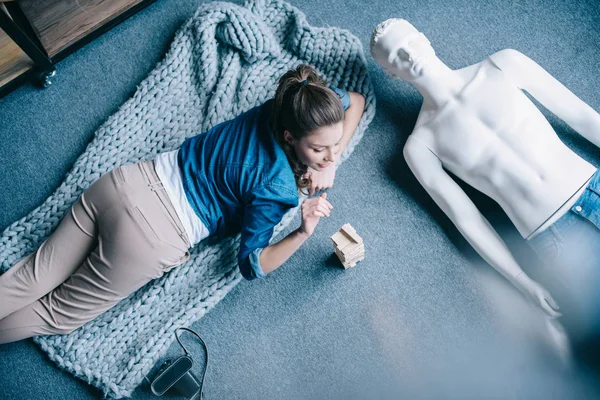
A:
62, 23
62, 27
13, 62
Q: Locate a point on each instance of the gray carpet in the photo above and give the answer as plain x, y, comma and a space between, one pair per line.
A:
422, 317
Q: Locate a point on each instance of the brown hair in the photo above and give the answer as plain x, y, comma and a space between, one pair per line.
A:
303, 104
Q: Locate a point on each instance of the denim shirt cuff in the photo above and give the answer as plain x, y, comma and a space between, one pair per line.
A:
255, 263
344, 97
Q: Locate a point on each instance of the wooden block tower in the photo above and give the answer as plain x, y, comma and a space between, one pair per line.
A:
348, 246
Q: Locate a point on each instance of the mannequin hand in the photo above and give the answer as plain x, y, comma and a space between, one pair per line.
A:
321, 180
539, 296
312, 211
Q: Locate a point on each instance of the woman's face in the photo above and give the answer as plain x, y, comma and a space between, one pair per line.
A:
319, 149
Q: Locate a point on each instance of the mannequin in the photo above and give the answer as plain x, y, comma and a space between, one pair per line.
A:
477, 123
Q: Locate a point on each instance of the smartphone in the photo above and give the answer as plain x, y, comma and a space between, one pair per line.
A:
171, 374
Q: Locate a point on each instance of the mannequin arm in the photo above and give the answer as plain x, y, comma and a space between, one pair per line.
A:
455, 203
552, 94
475, 228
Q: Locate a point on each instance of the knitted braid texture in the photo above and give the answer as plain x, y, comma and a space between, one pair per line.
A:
225, 60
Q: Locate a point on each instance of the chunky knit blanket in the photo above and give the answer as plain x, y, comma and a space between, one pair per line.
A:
225, 60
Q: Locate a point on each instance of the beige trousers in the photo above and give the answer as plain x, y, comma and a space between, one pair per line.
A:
121, 233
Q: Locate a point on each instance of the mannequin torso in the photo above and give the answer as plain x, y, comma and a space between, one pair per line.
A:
490, 135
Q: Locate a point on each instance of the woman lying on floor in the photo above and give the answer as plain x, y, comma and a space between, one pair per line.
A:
139, 221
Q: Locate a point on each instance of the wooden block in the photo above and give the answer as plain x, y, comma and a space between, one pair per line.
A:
354, 247
348, 246
354, 260
351, 260
352, 251
340, 255
340, 240
349, 231
348, 257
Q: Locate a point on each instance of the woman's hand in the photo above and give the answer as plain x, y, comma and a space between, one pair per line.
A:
312, 211
321, 180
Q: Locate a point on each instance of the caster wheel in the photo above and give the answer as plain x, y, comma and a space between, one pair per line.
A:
46, 78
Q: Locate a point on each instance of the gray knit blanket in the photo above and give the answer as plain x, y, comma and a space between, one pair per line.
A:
225, 60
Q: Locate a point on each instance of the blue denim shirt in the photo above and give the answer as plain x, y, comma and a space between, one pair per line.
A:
237, 178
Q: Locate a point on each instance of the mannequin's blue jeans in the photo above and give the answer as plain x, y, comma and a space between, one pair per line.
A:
570, 254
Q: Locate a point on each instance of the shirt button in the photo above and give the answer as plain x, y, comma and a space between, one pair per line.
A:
578, 208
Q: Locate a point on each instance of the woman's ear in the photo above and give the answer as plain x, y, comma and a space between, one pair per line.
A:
288, 137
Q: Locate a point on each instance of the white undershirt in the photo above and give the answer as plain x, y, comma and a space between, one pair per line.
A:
169, 174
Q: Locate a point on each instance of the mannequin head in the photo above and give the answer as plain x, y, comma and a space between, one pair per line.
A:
401, 49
